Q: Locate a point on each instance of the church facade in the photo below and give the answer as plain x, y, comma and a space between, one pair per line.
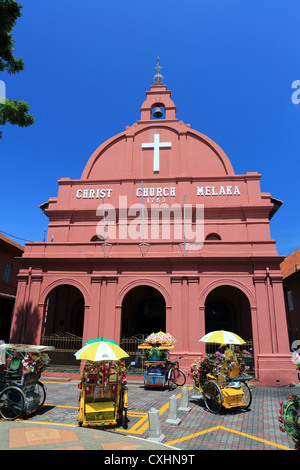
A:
159, 233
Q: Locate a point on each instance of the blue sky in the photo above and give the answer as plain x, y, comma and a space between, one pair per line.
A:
230, 66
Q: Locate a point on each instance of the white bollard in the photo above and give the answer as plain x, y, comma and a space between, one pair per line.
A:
155, 433
184, 402
196, 394
173, 419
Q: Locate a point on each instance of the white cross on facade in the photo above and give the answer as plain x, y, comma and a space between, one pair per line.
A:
156, 145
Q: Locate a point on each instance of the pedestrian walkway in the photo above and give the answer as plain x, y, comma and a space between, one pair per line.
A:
31, 435
55, 426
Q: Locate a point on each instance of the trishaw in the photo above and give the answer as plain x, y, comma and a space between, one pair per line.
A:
159, 370
163, 373
21, 391
221, 381
103, 399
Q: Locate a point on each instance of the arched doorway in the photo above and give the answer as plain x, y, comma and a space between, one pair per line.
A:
143, 311
64, 310
6, 312
63, 323
228, 308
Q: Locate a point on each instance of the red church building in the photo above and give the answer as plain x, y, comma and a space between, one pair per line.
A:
159, 233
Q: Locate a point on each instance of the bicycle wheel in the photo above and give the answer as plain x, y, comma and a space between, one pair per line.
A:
171, 379
179, 377
41, 391
213, 397
12, 403
122, 411
247, 398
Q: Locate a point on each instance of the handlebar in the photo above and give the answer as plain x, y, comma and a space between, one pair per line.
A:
176, 361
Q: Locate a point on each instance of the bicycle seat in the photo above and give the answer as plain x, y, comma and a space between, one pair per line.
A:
15, 368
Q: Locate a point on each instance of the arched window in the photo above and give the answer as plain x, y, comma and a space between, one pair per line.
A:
213, 236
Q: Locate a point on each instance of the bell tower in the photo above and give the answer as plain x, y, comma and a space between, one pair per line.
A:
158, 104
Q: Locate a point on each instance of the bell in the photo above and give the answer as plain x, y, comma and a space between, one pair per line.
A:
158, 113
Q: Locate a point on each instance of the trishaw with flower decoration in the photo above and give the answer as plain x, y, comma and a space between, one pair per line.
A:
221, 379
21, 391
289, 418
159, 370
103, 399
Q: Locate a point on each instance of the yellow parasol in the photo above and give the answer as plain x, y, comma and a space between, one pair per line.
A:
101, 350
222, 337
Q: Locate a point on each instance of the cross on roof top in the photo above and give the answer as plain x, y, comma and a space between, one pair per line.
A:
158, 67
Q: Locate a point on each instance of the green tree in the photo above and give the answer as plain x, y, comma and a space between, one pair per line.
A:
12, 111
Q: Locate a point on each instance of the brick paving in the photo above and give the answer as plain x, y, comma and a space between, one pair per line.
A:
255, 429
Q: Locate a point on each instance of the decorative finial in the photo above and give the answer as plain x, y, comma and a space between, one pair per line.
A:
158, 78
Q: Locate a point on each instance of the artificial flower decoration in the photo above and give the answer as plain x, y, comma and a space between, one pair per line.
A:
144, 346
200, 368
35, 362
156, 346
94, 371
289, 417
160, 338
165, 347
155, 354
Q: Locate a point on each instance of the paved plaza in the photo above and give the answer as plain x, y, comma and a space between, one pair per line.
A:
55, 424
